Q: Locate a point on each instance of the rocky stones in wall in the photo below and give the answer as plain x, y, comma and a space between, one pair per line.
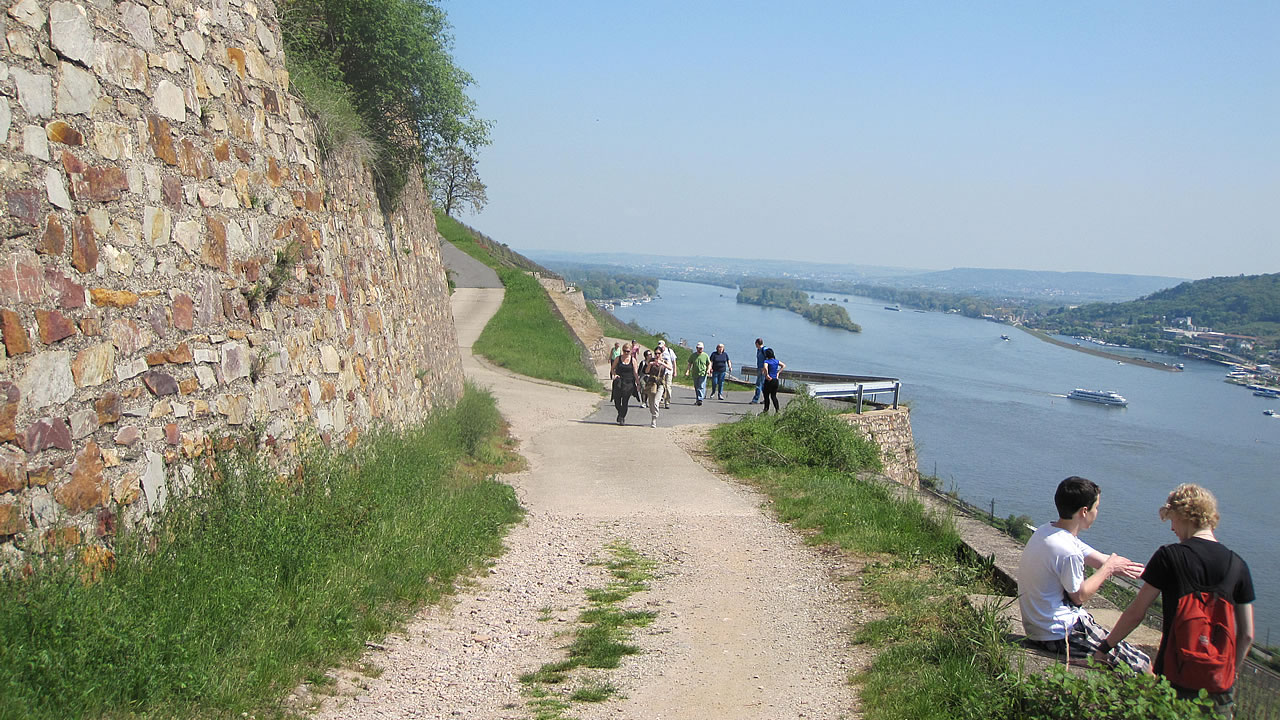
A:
154, 172
891, 429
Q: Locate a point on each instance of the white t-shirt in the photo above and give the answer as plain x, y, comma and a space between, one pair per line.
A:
1052, 565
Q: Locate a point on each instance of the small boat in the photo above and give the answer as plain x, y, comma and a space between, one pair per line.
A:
1004, 337
1102, 397
892, 307
1271, 413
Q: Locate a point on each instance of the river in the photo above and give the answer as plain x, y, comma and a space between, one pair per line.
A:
991, 416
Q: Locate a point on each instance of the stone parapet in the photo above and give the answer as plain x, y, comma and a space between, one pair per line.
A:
179, 263
891, 430
572, 308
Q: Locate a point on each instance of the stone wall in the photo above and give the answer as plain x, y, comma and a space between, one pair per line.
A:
572, 307
179, 264
891, 429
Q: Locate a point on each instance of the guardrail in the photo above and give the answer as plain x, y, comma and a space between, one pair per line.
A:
833, 385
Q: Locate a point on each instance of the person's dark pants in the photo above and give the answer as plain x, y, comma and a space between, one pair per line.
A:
759, 386
771, 392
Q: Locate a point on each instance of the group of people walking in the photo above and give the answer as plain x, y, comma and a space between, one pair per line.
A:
1206, 594
646, 376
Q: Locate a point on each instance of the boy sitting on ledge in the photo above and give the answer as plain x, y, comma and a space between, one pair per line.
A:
1052, 586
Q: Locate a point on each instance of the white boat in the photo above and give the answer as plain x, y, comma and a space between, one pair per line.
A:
1004, 337
1272, 413
1102, 397
893, 307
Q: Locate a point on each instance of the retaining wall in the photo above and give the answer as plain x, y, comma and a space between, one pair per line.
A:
154, 170
891, 429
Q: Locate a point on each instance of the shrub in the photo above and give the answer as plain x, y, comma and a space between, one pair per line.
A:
1101, 694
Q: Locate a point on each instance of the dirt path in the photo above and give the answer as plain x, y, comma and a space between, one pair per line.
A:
750, 621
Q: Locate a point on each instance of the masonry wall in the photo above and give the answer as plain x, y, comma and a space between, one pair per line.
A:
891, 429
572, 307
153, 170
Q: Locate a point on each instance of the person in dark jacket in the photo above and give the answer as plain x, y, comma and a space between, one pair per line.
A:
720, 367
623, 372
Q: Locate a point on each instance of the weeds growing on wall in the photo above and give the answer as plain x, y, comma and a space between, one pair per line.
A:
382, 69
252, 582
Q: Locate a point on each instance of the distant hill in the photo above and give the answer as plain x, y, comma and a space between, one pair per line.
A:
1069, 288
1066, 288
1245, 305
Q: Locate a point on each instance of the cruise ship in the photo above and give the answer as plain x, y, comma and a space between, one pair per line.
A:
1102, 397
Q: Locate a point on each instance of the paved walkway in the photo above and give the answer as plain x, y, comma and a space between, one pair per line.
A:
467, 271
750, 620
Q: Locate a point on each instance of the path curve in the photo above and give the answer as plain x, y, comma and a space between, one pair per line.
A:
751, 622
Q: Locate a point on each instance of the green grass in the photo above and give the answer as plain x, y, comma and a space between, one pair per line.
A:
526, 336
458, 234
600, 640
253, 582
937, 658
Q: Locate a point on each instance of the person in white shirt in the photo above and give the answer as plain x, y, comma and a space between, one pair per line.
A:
1052, 585
669, 356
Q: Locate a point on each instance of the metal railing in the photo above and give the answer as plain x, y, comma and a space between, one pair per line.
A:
833, 385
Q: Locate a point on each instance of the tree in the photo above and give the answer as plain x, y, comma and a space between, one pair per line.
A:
455, 182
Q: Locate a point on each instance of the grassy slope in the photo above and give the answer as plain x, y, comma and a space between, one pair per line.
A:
526, 335
257, 582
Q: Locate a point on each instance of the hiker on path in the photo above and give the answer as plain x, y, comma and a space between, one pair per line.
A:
656, 374
720, 366
760, 378
641, 368
1051, 582
623, 373
668, 357
1185, 574
771, 369
613, 355
699, 367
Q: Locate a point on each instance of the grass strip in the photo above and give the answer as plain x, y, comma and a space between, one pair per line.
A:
937, 658
252, 582
527, 336
600, 640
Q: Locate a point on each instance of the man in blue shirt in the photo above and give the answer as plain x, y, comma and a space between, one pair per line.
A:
759, 371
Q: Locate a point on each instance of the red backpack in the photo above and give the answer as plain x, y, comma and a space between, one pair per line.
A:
1201, 652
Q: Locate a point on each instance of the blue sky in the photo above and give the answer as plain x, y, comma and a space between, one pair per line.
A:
1134, 137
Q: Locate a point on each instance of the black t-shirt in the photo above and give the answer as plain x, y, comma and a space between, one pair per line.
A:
1193, 565
719, 361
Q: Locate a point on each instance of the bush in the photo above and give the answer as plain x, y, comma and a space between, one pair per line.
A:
1101, 694
805, 434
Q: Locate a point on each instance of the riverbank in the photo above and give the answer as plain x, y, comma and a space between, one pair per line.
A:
1100, 353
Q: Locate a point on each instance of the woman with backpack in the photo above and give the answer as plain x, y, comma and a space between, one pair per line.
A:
1206, 592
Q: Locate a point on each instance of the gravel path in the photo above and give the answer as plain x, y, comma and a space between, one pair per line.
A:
751, 622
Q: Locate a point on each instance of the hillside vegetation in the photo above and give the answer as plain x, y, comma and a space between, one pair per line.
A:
609, 285
380, 78
797, 301
1244, 305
